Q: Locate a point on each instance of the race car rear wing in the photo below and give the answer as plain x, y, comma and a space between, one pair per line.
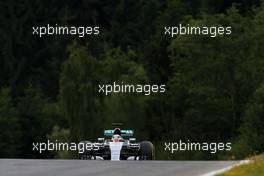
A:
124, 133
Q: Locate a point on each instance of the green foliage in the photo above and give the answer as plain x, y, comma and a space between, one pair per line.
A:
10, 128
24, 58
78, 93
127, 108
34, 120
252, 129
63, 136
213, 85
214, 73
87, 111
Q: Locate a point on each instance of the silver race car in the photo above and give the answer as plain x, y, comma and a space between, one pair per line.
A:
117, 144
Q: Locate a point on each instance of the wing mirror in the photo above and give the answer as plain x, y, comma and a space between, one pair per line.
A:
101, 139
132, 139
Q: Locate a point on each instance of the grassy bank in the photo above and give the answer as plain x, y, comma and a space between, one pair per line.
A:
256, 168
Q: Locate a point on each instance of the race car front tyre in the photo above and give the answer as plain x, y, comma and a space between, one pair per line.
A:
146, 151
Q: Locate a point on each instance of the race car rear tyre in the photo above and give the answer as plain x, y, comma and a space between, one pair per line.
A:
86, 155
146, 151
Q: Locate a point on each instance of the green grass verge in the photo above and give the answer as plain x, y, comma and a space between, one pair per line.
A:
256, 168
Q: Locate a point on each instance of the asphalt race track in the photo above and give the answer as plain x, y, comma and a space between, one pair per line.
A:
29, 167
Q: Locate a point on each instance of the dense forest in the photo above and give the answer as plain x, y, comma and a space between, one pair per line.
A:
214, 86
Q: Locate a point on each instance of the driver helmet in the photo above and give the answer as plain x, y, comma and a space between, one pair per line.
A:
116, 138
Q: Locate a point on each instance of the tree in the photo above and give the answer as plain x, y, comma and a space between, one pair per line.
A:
129, 108
214, 72
34, 120
10, 128
78, 93
252, 128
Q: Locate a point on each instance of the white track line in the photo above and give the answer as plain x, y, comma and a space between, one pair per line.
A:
220, 171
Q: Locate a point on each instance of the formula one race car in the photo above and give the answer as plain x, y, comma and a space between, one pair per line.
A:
118, 145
